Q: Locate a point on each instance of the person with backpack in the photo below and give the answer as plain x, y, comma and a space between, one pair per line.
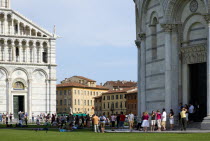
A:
102, 123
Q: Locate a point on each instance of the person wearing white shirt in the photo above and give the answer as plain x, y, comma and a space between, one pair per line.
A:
131, 120
113, 119
164, 118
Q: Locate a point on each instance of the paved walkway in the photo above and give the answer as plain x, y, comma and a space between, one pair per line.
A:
174, 131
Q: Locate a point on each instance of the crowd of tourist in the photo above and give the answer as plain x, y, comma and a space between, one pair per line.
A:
156, 120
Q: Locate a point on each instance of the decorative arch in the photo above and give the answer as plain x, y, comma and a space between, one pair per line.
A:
22, 69
5, 70
43, 71
173, 5
190, 21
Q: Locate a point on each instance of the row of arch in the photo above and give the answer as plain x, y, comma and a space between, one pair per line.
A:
24, 42
29, 75
12, 26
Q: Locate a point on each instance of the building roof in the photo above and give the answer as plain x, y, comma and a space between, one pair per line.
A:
133, 92
81, 77
124, 90
97, 97
78, 85
122, 83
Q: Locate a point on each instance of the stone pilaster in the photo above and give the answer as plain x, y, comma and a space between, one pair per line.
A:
30, 98
206, 122
138, 44
142, 99
9, 96
168, 65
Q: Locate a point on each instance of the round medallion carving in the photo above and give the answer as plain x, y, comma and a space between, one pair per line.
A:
193, 6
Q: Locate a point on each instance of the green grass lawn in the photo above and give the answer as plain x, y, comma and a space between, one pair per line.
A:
85, 135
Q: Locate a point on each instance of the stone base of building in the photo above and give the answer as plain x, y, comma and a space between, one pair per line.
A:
205, 125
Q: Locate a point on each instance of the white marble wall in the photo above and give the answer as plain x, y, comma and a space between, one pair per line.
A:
38, 77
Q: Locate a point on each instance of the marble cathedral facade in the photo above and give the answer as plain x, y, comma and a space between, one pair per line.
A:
173, 41
27, 65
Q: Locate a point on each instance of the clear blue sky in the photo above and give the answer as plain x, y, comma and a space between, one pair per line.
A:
97, 36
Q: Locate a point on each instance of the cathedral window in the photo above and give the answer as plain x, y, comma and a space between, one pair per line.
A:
16, 28
17, 51
154, 38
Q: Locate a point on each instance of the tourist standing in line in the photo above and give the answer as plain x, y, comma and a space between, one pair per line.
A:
32, 117
158, 118
113, 119
122, 120
118, 121
179, 110
10, 117
171, 119
7, 119
95, 123
145, 123
139, 121
164, 119
191, 111
183, 119
88, 121
102, 123
187, 113
131, 120
77, 120
153, 121
0, 117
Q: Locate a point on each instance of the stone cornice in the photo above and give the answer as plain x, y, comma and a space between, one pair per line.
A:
26, 37
26, 64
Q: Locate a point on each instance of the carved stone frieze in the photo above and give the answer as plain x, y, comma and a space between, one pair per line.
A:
194, 54
169, 27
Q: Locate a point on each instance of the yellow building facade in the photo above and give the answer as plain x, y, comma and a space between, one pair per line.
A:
75, 97
113, 102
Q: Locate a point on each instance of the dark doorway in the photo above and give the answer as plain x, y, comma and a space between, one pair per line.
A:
18, 104
198, 89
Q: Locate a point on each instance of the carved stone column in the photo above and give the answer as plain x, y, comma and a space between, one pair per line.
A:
20, 53
35, 54
138, 44
40, 53
6, 52
206, 122
142, 76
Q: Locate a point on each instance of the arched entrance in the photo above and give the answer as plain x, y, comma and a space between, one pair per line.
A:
19, 93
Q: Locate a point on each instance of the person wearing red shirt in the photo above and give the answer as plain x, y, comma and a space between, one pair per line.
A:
122, 120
